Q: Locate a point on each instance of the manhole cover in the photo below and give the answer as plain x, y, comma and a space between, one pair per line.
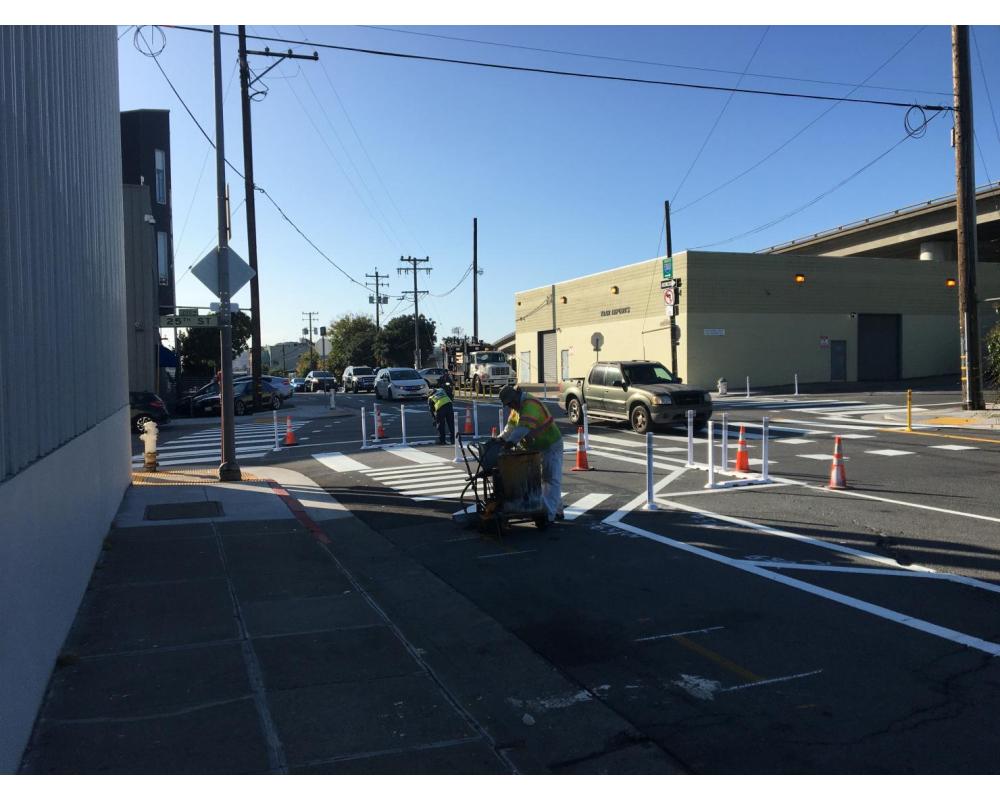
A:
160, 511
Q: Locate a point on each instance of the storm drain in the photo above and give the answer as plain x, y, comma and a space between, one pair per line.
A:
161, 511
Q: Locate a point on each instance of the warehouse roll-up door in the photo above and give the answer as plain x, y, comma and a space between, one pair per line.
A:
548, 366
879, 347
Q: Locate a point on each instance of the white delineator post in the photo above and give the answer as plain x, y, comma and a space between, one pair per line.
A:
402, 420
333, 398
650, 504
725, 441
500, 425
748, 387
277, 443
796, 384
475, 419
690, 416
364, 427
711, 456
586, 428
763, 467
458, 448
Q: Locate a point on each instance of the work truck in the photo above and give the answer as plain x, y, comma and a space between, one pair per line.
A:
642, 393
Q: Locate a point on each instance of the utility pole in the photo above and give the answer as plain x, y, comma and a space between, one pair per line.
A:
673, 324
965, 209
245, 84
309, 332
229, 470
416, 300
475, 278
378, 295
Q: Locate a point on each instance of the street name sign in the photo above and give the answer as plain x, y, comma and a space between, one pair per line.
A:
189, 320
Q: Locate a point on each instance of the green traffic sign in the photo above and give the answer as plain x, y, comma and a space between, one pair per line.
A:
668, 269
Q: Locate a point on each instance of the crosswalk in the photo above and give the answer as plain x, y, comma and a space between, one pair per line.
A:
253, 440
424, 477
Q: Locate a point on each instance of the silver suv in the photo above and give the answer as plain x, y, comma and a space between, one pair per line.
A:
358, 379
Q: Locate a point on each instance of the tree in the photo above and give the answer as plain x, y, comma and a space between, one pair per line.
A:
304, 365
352, 342
992, 371
200, 347
394, 343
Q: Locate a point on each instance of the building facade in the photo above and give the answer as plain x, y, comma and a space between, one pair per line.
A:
747, 315
65, 451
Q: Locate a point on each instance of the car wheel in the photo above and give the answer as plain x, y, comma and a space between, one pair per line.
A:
239, 408
354, 389
639, 417
139, 421
275, 402
573, 411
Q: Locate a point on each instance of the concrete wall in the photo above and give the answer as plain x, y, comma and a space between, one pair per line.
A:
64, 455
744, 315
142, 292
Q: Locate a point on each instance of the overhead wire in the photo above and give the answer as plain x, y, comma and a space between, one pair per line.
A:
256, 186
461, 280
573, 74
643, 62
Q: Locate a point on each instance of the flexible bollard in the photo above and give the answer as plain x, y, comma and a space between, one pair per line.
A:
458, 448
277, 445
650, 503
475, 419
402, 421
748, 387
333, 398
690, 416
909, 410
586, 427
711, 456
763, 469
796, 384
364, 427
725, 441
500, 423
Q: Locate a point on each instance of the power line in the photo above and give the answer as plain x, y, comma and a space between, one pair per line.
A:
461, 280
257, 186
588, 75
642, 62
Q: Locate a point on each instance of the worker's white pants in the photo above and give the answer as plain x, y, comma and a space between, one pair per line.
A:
552, 466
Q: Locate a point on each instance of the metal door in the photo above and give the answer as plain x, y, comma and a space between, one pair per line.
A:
548, 367
564, 365
838, 359
615, 396
524, 367
879, 347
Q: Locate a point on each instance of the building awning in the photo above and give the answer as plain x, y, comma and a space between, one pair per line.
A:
168, 358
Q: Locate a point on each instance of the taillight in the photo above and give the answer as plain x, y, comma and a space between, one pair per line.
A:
156, 404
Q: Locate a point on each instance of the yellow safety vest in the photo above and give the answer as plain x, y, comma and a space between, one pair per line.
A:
441, 399
542, 429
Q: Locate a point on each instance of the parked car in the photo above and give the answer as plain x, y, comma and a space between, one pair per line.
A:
243, 401
298, 384
282, 386
643, 393
146, 407
186, 405
320, 380
358, 379
399, 383
436, 376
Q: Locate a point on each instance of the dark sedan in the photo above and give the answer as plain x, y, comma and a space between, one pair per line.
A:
243, 403
146, 407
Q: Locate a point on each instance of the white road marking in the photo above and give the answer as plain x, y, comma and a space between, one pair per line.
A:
770, 680
817, 456
795, 441
679, 633
418, 456
513, 553
338, 462
850, 493
856, 436
584, 504
412, 469
890, 452
951, 447
949, 576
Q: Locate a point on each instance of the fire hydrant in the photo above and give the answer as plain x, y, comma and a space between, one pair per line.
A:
149, 440
723, 386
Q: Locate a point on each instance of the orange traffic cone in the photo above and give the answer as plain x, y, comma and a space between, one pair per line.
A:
379, 430
581, 454
289, 433
468, 421
742, 456
838, 478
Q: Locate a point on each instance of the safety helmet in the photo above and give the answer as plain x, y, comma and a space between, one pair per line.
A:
508, 394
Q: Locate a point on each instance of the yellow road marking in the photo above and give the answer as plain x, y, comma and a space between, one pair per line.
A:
945, 436
723, 662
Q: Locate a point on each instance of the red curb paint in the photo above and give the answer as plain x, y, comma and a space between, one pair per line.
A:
299, 513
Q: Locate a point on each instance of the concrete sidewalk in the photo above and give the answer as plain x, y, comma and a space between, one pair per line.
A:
948, 417
260, 627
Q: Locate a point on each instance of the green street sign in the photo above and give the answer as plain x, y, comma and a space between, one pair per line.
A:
668, 269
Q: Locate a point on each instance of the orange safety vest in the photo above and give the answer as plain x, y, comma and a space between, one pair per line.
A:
542, 429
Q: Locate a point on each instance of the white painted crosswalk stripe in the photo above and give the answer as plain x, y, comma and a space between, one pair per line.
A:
955, 447
584, 504
890, 452
338, 462
203, 447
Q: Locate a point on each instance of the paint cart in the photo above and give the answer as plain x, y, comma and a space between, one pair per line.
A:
504, 486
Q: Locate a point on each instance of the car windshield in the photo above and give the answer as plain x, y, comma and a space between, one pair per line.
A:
364, 371
490, 358
404, 375
321, 374
647, 373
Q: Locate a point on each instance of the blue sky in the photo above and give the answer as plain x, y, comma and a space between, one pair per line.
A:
376, 157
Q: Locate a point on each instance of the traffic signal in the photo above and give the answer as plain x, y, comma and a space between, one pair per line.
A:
322, 331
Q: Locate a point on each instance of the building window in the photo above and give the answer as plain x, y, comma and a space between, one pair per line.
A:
161, 177
162, 262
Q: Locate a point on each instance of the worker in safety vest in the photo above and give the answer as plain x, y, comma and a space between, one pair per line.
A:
439, 404
531, 426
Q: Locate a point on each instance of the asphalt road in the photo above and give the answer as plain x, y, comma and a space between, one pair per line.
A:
762, 629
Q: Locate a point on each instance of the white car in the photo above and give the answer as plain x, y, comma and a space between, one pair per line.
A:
400, 383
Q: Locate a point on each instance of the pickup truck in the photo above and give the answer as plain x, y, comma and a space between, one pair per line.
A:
643, 393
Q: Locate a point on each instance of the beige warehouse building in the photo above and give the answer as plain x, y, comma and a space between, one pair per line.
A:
745, 314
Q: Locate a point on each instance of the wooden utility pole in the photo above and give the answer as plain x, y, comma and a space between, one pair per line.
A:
475, 278
378, 296
416, 303
309, 333
965, 208
673, 323
245, 85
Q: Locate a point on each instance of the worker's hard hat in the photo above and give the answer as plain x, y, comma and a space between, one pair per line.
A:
508, 394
